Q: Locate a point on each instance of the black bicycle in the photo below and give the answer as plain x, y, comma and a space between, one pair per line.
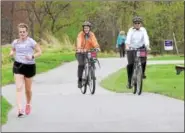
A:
137, 76
88, 77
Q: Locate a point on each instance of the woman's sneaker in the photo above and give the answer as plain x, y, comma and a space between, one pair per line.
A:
20, 113
28, 109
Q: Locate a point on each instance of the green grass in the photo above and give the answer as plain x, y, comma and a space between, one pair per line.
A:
5, 108
161, 79
167, 57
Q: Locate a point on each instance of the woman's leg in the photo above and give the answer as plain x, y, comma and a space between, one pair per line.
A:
28, 91
144, 66
19, 81
130, 65
120, 51
28, 86
123, 50
143, 63
80, 58
29, 72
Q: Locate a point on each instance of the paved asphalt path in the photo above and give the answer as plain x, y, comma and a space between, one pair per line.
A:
59, 106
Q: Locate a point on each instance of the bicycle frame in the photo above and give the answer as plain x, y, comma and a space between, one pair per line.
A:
137, 64
90, 61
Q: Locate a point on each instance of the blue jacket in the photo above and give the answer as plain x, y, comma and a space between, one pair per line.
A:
120, 39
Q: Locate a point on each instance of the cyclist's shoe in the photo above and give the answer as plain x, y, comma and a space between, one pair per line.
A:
144, 76
79, 84
129, 86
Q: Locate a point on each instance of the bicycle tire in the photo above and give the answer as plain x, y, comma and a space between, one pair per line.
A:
92, 77
84, 87
134, 88
139, 80
134, 80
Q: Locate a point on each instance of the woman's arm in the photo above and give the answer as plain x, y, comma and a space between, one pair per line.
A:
38, 51
79, 41
94, 41
146, 39
128, 38
12, 52
117, 41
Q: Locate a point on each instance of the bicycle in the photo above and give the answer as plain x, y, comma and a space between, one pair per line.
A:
88, 77
137, 76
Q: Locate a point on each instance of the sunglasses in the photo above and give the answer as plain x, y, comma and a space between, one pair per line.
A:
137, 23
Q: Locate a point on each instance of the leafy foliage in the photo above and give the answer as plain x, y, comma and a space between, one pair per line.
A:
161, 19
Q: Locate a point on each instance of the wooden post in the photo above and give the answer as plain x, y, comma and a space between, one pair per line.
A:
175, 42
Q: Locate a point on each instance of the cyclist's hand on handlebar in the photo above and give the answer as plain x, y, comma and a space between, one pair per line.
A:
78, 50
126, 47
148, 48
81, 50
98, 49
84, 50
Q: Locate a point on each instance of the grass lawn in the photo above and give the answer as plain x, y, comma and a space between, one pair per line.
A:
167, 57
5, 107
161, 79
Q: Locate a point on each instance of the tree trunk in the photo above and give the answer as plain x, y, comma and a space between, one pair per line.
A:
11, 24
135, 7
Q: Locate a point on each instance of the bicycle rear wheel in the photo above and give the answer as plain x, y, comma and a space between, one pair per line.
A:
91, 80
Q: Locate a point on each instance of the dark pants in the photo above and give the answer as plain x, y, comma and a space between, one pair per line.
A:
122, 50
131, 57
81, 64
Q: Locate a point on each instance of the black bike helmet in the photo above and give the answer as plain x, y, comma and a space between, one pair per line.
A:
137, 19
87, 23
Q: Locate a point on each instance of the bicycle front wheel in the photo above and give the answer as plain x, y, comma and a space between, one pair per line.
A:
139, 80
134, 80
92, 82
84, 80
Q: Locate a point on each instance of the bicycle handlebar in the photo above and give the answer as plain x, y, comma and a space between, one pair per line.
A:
131, 48
86, 51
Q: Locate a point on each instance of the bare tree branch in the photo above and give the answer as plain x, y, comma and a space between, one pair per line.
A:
53, 15
65, 25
